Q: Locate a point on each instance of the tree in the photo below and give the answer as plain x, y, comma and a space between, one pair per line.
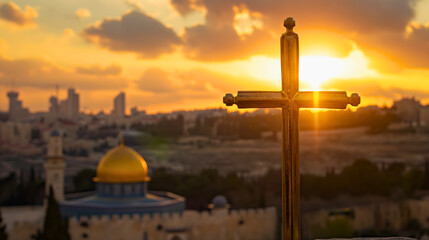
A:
337, 228
55, 226
83, 180
3, 234
413, 180
363, 177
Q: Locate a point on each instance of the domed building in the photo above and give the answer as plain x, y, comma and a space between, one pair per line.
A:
122, 208
121, 188
219, 202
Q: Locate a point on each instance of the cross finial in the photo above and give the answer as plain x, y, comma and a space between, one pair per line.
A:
354, 99
229, 99
289, 23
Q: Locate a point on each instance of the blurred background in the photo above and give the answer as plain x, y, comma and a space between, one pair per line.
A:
77, 78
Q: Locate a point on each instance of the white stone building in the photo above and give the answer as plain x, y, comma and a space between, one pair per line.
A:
123, 209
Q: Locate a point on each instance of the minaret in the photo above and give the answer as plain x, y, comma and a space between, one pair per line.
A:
54, 166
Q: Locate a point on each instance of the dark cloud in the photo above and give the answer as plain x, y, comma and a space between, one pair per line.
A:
42, 74
376, 26
408, 50
347, 16
13, 13
97, 70
220, 44
217, 40
134, 32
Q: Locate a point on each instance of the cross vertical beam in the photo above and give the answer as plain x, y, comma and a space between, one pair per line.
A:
290, 137
290, 100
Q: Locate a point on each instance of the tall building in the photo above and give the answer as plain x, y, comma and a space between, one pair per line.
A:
16, 111
54, 166
119, 105
72, 103
70, 107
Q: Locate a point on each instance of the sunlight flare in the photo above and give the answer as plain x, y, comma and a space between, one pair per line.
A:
317, 69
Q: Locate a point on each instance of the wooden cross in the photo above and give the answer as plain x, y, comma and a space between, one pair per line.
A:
290, 100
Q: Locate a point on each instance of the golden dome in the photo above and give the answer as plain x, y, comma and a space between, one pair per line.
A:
122, 165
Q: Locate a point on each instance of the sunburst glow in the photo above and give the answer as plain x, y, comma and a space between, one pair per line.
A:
313, 70
316, 69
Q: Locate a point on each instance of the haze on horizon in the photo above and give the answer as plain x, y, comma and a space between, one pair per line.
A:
186, 54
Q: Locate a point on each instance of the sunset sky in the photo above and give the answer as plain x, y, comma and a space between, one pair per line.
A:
186, 54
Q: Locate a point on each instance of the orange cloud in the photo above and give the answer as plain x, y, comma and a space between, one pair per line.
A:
82, 13
13, 13
155, 80
194, 82
42, 74
97, 70
371, 88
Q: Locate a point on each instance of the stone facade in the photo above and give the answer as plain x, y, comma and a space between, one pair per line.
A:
392, 216
54, 166
251, 224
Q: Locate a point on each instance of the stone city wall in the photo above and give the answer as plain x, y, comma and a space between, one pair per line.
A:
250, 224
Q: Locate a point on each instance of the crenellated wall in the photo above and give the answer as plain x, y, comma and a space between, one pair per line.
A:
251, 224
393, 216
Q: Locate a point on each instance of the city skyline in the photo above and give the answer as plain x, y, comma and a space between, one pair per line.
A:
197, 50
69, 106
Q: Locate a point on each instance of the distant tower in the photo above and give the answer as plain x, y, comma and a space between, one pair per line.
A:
54, 107
119, 105
54, 165
72, 103
14, 103
15, 106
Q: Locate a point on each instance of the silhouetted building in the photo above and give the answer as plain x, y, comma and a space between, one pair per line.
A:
16, 111
135, 112
119, 105
408, 110
424, 116
70, 106
54, 107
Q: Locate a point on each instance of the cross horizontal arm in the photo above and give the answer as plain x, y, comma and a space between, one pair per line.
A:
326, 99
256, 99
274, 99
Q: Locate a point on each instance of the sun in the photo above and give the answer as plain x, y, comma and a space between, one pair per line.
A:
315, 70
